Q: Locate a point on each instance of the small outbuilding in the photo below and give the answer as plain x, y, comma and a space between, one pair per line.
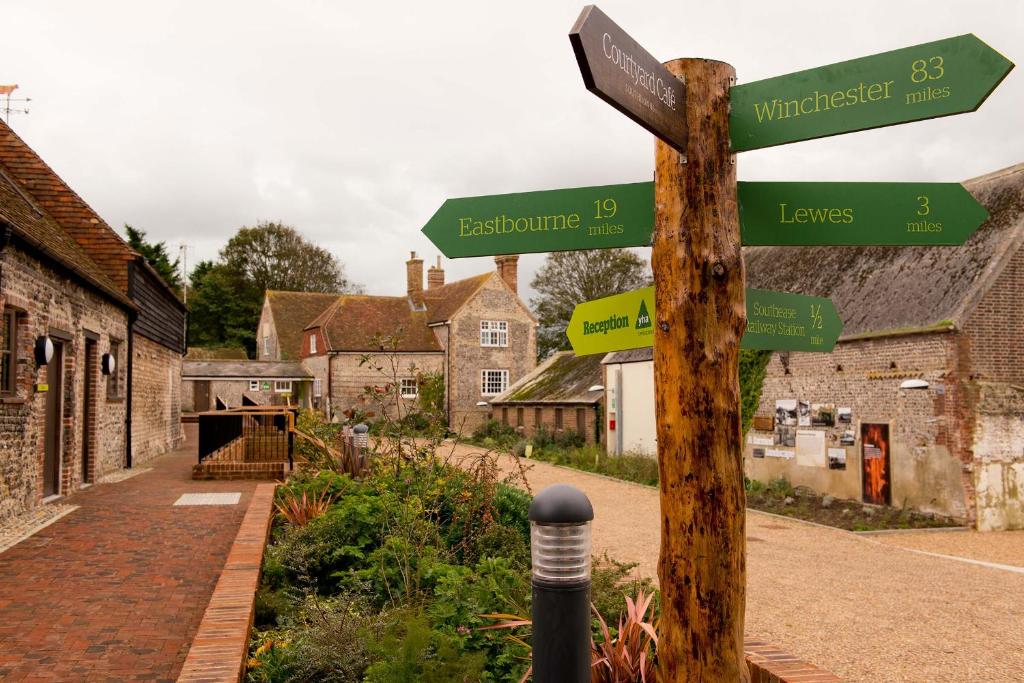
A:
562, 394
233, 381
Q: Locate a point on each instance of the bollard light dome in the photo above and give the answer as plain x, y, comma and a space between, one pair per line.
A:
560, 535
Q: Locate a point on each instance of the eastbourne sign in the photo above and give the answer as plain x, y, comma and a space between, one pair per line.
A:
623, 74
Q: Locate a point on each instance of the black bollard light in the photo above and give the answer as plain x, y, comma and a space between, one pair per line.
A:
560, 518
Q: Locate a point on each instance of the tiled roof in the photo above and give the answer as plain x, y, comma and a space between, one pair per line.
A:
353, 321
444, 301
292, 311
562, 378
889, 289
629, 356
243, 369
35, 226
97, 239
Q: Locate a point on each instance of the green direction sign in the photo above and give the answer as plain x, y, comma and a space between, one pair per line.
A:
793, 214
776, 321
926, 81
551, 220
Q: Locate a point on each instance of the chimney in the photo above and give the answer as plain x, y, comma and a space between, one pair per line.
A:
435, 275
508, 270
414, 274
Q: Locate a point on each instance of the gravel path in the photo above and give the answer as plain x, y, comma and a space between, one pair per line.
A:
862, 607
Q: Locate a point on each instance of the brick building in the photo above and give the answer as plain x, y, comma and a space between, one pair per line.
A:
477, 332
563, 394
948, 319
235, 382
68, 276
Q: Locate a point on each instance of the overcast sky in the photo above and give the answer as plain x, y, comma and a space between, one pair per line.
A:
354, 121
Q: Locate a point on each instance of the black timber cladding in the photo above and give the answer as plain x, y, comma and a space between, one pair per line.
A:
161, 316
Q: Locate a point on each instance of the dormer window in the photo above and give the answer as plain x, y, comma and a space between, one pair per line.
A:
493, 333
312, 343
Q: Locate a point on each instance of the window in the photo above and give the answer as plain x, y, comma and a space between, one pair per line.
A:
312, 343
9, 353
538, 418
114, 378
254, 385
493, 333
581, 421
519, 417
558, 418
318, 388
493, 382
409, 387
282, 387
266, 345
504, 416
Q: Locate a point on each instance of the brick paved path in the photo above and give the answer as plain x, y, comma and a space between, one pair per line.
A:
115, 590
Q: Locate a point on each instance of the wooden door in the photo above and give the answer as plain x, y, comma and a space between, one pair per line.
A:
875, 465
201, 400
54, 421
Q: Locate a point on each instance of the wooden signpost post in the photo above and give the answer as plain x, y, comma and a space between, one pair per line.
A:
698, 314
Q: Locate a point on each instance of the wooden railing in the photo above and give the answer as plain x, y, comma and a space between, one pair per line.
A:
266, 432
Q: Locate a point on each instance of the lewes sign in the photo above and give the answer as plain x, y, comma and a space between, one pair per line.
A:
776, 321
945, 77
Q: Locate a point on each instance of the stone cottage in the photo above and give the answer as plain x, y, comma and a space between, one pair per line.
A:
241, 382
70, 285
476, 332
563, 394
922, 401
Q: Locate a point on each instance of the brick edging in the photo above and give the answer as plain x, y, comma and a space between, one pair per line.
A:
218, 652
769, 664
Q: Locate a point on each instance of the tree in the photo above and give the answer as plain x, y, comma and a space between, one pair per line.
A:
224, 308
275, 256
568, 278
156, 254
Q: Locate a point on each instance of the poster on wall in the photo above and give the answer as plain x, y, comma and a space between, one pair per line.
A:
785, 436
837, 458
848, 438
803, 413
823, 415
874, 440
810, 448
785, 411
758, 452
844, 416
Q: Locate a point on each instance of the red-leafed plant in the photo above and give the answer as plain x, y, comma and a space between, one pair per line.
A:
630, 655
627, 657
300, 511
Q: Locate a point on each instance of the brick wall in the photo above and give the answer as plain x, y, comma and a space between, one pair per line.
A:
349, 378
527, 417
51, 301
930, 463
494, 301
995, 327
156, 400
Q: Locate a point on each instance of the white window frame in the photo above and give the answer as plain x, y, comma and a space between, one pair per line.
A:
404, 385
282, 386
266, 345
312, 343
494, 333
485, 385
254, 385
318, 389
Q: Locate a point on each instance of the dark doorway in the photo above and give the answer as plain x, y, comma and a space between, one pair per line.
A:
88, 410
876, 468
201, 400
54, 420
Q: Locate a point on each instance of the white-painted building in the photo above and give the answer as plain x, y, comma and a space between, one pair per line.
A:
629, 402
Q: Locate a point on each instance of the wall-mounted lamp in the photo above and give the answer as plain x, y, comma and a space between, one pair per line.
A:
596, 387
108, 364
43, 350
481, 404
914, 384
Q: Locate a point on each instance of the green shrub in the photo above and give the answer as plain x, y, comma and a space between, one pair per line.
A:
512, 508
412, 651
753, 365
500, 434
611, 581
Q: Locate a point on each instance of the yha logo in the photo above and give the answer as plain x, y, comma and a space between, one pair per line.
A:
643, 319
